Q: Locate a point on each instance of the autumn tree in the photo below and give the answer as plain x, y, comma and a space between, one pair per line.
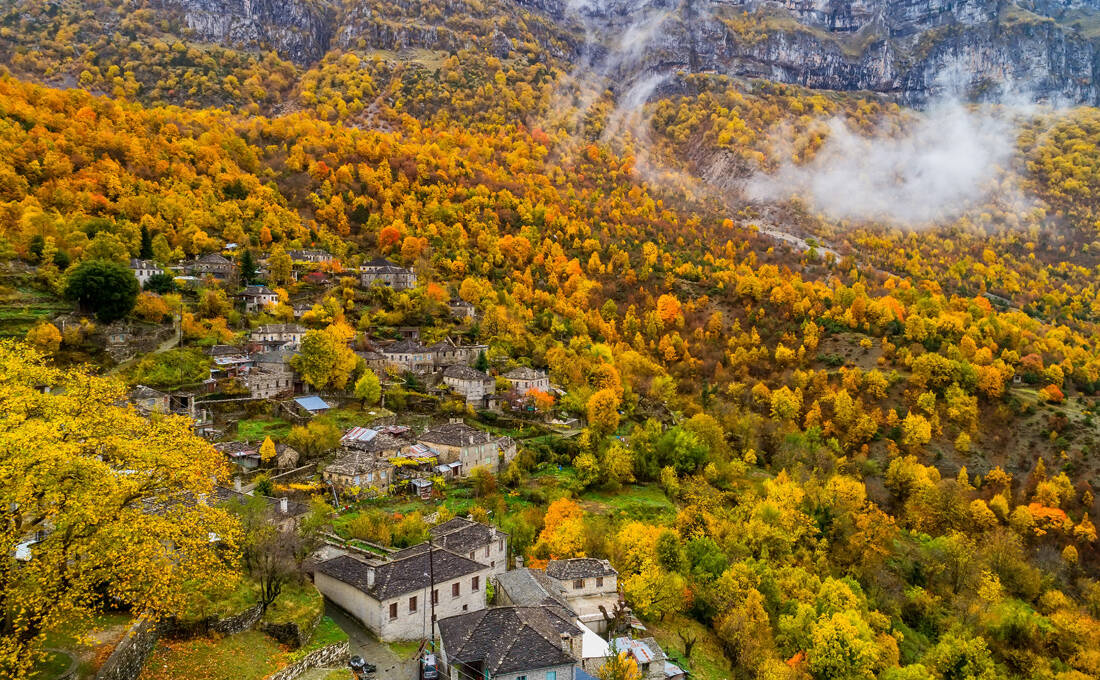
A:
619, 666
279, 266
324, 359
368, 388
45, 337
103, 505
603, 411
267, 450
563, 531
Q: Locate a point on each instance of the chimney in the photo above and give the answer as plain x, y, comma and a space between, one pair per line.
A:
237, 484
370, 576
283, 505
519, 561
470, 517
567, 644
493, 533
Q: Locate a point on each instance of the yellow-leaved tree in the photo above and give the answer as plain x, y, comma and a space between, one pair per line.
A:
97, 502
267, 450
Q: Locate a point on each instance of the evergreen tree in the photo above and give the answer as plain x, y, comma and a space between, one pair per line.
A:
109, 289
146, 244
482, 363
247, 266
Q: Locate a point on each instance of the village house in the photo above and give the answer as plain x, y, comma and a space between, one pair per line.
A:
524, 379
149, 400
373, 441
460, 309
231, 365
315, 256
458, 442
213, 265
587, 584
509, 643
408, 355
358, 469
247, 454
276, 335
391, 598
266, 384
471, 383
652, 661
387, 273
144, 270
474, 540
447, 353
257, 297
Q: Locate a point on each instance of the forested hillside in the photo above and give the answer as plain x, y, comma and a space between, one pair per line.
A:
879, 443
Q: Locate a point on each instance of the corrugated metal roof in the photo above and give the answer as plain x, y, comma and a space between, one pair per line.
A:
359, 434
312, 403
636, 648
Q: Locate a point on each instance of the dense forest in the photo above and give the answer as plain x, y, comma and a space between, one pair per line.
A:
881, 451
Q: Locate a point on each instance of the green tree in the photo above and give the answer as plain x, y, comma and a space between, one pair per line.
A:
482, 363
146, 250
324, 359
247, 265
107, 289
161, 284
368, 388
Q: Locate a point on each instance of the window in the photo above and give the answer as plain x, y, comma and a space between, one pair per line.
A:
551, 675
412, 604
578, 584
454, 590
393, 610
599, 581
471, 556
486, 551
474, 583
501, 547
435, 596
521, 677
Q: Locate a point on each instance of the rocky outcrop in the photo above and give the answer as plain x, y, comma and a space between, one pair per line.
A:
914, 49
298, 30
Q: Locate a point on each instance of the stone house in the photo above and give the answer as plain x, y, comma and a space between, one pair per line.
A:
524, 379
460, 309
278, 334
391, 598
408, 355
315, 256
509, 643
144, 270
360, 469
447, 353
266, 384
387, 273
652, 661
213, 265
149, 400
587, 584
471, 383
458, 442
473, 540
256, 297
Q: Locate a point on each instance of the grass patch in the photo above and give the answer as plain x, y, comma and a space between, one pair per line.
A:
327, 633
206, 602
250, 655
52, 666
645, 502
299, 603
405, 650
707, 660
258, 428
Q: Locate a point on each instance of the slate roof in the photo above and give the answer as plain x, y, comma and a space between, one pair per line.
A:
580, 567
226, 495
378, 443
256, 291
460, 536
353, 462
532, 588
524, 373
213, 258
405, 347
507, 639
455, 434
279, 328
407, 574
459, 372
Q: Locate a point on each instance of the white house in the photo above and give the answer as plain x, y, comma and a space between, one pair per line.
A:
525, 379
471, 383
386, 272
391, 598
474, 540
408, 355
279, 333
144, 269
257, 297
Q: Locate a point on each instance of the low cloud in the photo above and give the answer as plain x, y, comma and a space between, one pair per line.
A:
940, 165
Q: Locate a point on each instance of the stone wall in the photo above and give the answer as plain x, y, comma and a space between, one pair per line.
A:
128, 657
330, 656
290, 633
229, 625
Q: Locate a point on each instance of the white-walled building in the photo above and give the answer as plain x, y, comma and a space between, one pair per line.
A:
524, 379
144, 270
587, 584
391, 598
474, 540
471, 383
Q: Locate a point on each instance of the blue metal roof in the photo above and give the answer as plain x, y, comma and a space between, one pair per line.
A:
312, 403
